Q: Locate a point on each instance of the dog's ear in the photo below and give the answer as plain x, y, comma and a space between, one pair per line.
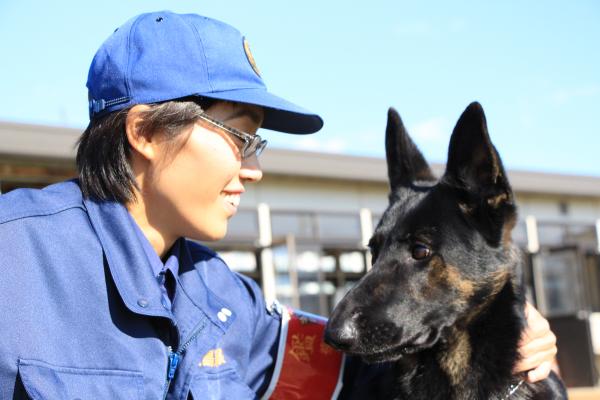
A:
475, 169
405, 162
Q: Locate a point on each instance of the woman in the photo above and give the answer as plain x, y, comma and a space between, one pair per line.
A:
105, 297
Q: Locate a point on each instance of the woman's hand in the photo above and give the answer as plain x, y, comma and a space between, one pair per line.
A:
537, 346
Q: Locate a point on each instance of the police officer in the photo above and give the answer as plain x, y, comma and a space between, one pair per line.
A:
103, 297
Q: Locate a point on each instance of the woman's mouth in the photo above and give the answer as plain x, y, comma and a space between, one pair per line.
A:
232, 201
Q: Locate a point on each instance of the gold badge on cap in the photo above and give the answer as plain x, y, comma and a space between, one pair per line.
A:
250, 57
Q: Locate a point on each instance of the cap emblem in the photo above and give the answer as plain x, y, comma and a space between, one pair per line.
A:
250, 57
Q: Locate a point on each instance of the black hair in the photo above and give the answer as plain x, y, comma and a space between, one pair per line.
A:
103, 149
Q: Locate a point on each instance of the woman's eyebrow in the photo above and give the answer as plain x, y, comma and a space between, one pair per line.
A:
254, 116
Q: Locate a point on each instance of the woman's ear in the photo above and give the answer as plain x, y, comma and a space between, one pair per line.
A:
141, 143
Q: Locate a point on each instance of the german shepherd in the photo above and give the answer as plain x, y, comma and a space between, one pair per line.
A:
443, 305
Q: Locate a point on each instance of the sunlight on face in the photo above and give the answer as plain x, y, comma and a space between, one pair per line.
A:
197, 189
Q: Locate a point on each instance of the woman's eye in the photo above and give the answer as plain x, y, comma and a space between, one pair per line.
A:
420, 251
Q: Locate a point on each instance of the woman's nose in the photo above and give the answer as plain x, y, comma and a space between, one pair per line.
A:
250, 169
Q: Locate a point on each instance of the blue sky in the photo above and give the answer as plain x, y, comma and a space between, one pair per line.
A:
534, 66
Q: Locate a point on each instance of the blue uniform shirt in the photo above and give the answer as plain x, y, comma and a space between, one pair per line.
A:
84, 314
166, 273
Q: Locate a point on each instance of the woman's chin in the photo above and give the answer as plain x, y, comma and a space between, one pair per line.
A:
209, 235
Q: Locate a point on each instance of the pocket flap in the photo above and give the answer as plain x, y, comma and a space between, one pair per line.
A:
48, 382
224, 385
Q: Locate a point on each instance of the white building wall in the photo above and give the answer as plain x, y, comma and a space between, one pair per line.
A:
550, 208
309, 194
329, 195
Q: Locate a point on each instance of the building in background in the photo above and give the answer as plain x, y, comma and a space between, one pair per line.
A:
302, 231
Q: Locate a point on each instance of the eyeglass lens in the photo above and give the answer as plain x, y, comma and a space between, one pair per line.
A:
253, 146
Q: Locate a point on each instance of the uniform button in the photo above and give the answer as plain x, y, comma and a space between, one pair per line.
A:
226, 311
143, 303
222, 316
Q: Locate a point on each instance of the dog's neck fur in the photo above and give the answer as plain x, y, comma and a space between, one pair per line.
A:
475, 361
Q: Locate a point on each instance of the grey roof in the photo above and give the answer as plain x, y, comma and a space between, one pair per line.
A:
37, 141
49, 143
337, 166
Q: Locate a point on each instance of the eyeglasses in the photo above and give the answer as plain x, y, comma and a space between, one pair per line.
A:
253, 144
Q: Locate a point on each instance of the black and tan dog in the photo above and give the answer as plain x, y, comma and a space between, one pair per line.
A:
444, 301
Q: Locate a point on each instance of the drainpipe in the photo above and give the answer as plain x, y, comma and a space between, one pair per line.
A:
533, 242
265, 241
533, 247
598, 235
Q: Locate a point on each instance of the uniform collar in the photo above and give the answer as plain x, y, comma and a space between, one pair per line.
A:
126, 259
133, 274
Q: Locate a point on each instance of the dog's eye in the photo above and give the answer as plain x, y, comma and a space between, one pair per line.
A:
420, 251
374, 254
373, 246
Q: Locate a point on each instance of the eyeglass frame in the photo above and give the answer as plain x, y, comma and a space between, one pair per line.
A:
248, 139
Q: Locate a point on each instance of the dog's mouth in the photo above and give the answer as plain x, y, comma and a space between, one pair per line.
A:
414, 345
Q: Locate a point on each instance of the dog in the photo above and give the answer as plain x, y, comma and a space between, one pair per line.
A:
443, 305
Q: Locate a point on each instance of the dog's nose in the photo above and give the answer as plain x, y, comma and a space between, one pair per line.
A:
341, 336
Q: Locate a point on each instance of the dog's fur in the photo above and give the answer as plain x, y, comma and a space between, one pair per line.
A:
444, 301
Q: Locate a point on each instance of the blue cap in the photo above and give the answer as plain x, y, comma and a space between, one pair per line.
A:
163, 56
